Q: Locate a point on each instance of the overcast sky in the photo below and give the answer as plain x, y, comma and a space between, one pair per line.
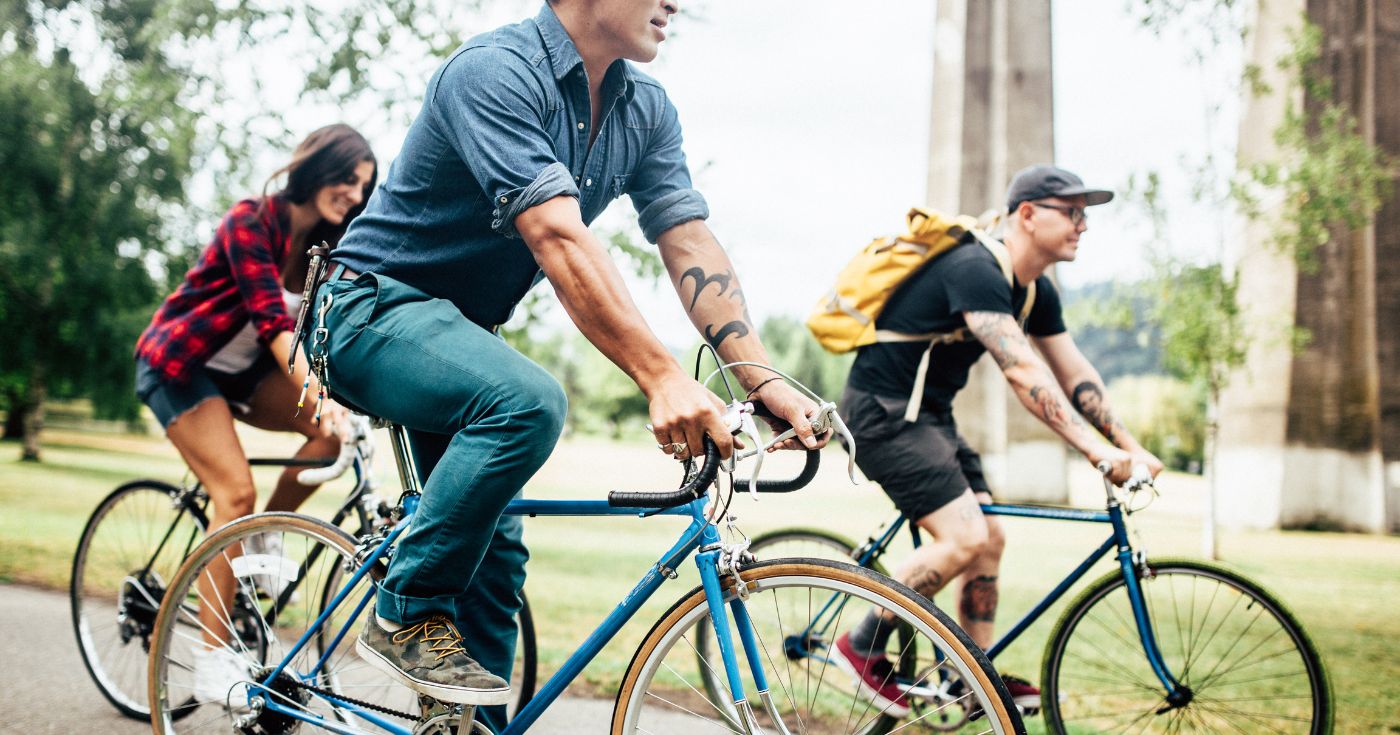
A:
806, 127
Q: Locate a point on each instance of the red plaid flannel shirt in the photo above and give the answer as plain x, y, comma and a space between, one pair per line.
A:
237, 279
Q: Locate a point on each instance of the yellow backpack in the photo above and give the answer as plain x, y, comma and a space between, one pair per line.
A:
844, 319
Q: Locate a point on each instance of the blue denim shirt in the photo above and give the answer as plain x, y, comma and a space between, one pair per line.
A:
504, 127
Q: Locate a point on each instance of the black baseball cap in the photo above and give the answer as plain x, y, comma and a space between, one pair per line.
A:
1044, 180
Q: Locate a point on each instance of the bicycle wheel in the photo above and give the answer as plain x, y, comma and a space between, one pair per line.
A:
132, 545
1248, 663
522, 678
807, 543
326, 676
663, 690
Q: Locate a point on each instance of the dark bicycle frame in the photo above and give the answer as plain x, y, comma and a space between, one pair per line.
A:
1128, 564
195, 501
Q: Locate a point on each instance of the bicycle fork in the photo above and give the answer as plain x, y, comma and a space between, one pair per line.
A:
711, 560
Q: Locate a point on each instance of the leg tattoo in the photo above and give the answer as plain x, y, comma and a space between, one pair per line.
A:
979, 599
927, 581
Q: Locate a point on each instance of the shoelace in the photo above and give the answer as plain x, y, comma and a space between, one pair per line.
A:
446, 642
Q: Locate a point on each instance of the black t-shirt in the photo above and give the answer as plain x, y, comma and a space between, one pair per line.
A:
966, 278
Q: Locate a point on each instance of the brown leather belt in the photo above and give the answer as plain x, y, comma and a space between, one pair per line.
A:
343, 273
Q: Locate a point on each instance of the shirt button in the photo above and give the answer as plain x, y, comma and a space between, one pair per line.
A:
504, 200
588, 182
580, 126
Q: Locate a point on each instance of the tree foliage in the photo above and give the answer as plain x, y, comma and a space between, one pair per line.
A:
95, 156
1328, 175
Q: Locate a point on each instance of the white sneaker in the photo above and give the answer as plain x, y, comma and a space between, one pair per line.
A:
217, 674
267, 549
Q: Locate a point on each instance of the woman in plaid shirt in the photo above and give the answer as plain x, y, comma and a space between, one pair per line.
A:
212, 351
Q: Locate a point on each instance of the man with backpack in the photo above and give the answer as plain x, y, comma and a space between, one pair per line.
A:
978, 296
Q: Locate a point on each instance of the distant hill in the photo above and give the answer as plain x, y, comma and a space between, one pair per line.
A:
1109, 323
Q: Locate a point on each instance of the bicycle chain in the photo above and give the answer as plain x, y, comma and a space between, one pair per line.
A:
337, 696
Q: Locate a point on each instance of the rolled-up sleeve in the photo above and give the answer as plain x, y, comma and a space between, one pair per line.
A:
660, 188
492, 107
246, 242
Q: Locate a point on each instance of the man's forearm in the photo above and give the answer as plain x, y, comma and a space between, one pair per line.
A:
1029, 377
1091, 400
591, 289
713, 299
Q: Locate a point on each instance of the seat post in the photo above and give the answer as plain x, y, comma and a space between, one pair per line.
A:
403, 458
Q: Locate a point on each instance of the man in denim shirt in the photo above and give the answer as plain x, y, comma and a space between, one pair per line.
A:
526, 134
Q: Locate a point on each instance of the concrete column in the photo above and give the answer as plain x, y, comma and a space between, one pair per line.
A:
992, 115
1301, 434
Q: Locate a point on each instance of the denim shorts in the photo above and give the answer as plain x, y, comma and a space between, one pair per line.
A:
170, 400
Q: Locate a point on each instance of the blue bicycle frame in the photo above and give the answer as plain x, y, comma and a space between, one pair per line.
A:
698, 534
1118, 539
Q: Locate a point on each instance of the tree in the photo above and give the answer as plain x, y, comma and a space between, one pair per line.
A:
89, 169
1327, 175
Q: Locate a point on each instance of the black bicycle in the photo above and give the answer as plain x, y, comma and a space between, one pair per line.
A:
1154, 646
142, 531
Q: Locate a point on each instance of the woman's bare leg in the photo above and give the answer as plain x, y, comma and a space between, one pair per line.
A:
205, 438
274, 408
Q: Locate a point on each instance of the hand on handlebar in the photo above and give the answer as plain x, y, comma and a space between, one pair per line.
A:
1113, 462
333, 416
682, 413
792, 409
1146, 459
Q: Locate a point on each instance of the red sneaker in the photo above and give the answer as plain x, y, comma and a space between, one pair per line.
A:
1023, 693
874, 677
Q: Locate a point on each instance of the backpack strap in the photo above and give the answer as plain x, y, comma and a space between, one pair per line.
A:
961, 334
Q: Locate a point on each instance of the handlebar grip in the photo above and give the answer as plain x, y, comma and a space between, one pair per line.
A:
809, 471
672, 498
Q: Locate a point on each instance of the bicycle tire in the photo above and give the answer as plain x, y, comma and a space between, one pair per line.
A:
171, 644
765, 581
799, 543
1173, 588
526, 669
786, 543
112, 610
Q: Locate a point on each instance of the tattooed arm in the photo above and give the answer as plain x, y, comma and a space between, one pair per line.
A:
1036, 387
709, 290
1086, 392
591, 290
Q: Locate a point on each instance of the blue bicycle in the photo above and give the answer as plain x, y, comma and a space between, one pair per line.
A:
1155, 646
306, 674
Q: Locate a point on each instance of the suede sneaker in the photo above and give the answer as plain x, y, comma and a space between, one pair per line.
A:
874, 677
1023, 693
428, 657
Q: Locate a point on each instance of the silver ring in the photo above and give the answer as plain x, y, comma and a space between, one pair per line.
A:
678, 447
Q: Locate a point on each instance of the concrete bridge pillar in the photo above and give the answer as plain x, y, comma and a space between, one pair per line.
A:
991, 115
1312, 438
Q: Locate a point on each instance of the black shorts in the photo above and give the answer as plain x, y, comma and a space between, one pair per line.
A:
922, 466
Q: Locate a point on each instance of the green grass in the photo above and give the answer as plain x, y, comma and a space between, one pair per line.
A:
1344, 588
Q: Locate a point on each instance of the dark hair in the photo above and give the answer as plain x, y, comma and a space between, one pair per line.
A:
328, 156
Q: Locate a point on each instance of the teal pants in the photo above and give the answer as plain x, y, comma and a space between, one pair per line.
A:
482, 419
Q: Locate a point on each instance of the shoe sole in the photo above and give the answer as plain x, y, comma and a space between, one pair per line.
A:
440, 692
893, 709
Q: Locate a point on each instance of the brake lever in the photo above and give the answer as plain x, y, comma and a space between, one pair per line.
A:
827, 419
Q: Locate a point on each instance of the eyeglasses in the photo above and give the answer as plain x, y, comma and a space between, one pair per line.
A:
1076, 215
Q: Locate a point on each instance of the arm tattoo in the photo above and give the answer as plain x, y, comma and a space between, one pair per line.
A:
1089, 400
737, 329
723, 280
979, 599
1000, 334
1052, 409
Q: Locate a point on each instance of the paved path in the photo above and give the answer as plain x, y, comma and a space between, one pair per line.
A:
45, 689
